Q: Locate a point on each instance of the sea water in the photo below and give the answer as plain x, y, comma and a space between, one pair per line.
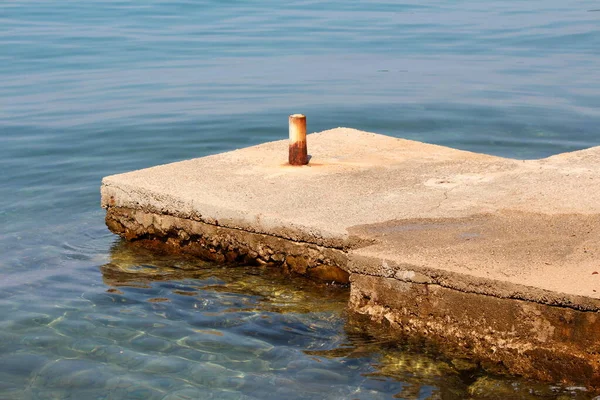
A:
92, 88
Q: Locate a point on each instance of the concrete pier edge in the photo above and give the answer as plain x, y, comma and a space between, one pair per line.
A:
491, 255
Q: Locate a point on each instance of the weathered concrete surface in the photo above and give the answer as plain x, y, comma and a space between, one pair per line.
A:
549, 259
375, 206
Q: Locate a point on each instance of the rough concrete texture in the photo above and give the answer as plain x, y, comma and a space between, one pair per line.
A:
548, 259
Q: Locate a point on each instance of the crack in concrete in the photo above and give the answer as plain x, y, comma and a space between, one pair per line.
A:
443, 200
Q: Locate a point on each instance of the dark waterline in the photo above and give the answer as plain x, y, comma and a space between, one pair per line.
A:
93, 88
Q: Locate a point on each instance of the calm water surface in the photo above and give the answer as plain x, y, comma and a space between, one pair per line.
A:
93, 88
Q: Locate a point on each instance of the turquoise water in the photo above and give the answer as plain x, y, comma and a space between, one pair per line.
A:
94, 88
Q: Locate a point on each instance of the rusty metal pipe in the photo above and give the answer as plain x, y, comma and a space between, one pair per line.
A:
298, 151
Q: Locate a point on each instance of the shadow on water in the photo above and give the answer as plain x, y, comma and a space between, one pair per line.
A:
264, 288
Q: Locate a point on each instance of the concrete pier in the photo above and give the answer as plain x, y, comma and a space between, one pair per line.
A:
490, 257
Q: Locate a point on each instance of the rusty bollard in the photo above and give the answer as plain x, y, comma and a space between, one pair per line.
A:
298, 151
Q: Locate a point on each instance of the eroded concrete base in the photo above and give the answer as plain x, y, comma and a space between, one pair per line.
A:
220, 244
529, 339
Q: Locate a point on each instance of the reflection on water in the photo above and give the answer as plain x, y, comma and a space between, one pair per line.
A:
178, 328
259, 288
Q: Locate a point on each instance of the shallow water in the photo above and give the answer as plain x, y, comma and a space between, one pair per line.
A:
94, 88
